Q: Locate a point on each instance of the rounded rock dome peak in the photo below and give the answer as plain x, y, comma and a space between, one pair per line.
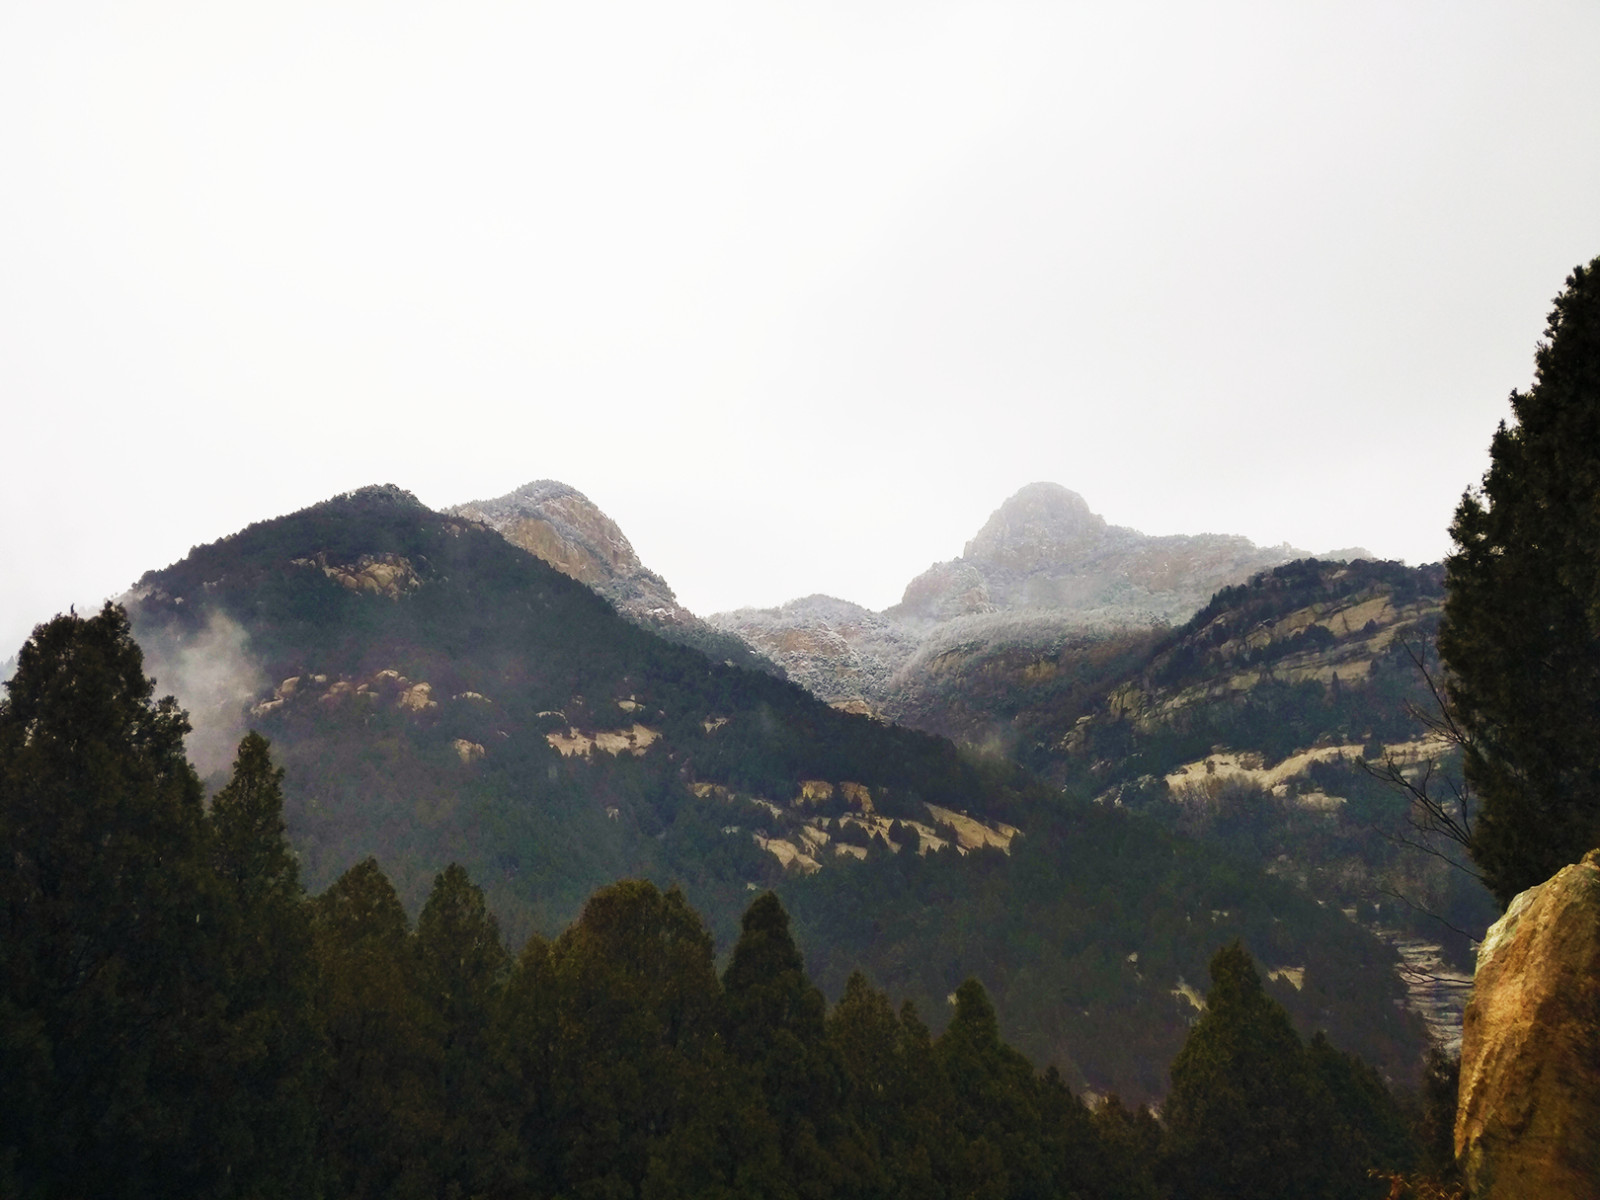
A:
1038, 515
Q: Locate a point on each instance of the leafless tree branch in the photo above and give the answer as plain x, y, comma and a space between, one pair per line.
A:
1438, 806
1417, 908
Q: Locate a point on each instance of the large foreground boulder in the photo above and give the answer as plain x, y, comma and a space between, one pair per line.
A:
1528, 1124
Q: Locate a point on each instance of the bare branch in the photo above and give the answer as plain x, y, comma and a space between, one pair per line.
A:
1427, 912
1438, 806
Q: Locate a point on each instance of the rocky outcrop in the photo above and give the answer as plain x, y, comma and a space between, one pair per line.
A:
825, 822
566, 529
1044, 570
943, 592
838, 651
1044, 549
389, 575
1528, 1122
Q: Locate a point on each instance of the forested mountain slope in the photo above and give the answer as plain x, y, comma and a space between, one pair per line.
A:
438, 694
1247, 728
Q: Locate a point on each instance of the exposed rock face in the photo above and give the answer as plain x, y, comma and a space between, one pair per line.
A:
1043, 548
1042, 521
388, 575
1528, 1122
945, 591
567, 530
564, 527
1041, 566
840, 652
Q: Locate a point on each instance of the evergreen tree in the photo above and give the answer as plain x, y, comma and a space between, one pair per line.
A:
1246, 1118
1368, 1129
995, 1116
643, 1100
461, 965
922, 1163
107, 924
1131, 1142
1521, 629
380, 1107
261, 1112
865, 1038
776, 1030
526, 1044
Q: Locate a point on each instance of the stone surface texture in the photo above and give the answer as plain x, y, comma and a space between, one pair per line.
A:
1528, 1121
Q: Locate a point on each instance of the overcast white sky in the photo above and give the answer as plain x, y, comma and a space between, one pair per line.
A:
798, 293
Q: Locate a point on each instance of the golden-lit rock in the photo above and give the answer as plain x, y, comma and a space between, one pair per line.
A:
857, 795
417, 698
814, 791
1528, 1120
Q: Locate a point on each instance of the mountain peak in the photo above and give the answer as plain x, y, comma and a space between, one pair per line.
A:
1039, 520
559, 524
1045, 549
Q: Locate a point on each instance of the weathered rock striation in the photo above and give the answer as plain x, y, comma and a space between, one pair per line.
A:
1528, 1121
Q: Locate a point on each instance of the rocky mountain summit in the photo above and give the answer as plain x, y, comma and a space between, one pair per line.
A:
1043, 559
563, 527
1044, 549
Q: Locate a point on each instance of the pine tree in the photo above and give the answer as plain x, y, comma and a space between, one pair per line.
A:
527, 1042
379, 1108
460, 968
1521, 629
1131, 1143
776, 1030
107, 921
995, 1109
261, 1112
642, 1097
1245, 1118
1368, 1130
865, 1039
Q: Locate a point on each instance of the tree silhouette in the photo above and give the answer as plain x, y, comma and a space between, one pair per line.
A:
1247, 1118
380, 1103
264, 1080
108, 919
1521, 628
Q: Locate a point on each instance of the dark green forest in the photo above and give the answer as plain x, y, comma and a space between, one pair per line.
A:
1232, 679
513, 651
178, 1017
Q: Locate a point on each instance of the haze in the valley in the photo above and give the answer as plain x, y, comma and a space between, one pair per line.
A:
795, 294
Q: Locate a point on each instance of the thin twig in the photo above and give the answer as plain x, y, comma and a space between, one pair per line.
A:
1427, 912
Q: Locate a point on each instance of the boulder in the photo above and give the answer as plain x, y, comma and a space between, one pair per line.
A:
1528, 1120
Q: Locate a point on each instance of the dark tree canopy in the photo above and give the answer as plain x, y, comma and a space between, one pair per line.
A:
1521, 629
261, 1110
177, 1019
106, 921
1253, 1113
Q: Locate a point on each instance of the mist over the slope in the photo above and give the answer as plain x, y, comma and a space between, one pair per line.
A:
215, 678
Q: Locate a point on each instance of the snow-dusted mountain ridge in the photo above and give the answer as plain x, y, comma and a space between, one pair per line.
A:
1044, 554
